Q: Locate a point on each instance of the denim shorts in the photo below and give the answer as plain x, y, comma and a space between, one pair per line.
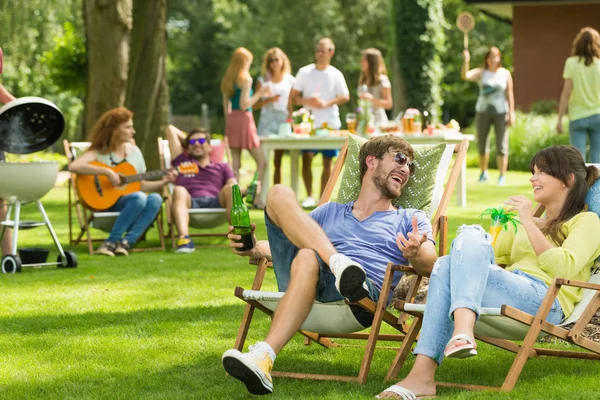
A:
205, 202
326, 153
283, 252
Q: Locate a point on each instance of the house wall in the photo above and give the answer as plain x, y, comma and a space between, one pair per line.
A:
543, 36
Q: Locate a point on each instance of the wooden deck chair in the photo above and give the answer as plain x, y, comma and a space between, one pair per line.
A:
335, 320
200, 218
503, 326
86, 218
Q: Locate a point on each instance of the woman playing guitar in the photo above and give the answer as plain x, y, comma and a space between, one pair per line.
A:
111, 144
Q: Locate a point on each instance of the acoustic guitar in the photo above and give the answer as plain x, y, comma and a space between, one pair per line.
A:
98, 194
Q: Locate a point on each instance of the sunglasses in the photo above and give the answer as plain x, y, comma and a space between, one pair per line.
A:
197, 141
401, 159
273, 59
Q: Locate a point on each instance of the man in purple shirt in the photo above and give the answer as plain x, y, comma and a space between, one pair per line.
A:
210, 187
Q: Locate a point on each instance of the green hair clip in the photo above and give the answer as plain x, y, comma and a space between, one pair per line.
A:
502, 217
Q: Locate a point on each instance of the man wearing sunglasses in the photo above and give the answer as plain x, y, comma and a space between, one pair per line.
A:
337, 251
210, 187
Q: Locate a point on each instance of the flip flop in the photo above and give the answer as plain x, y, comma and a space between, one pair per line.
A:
463, 351
403, 394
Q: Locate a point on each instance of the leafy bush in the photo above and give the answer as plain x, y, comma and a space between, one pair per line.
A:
528, 135
544, 107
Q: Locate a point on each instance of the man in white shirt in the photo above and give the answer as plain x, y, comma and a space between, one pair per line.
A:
319, 87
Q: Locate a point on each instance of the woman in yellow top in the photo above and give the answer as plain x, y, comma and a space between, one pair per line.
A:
581, 91
558, 244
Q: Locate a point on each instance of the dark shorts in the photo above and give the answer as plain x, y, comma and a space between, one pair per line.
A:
2, 157
283, 253
205, 202
326, 153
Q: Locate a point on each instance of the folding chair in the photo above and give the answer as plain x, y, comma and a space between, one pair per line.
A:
200, 218
86, 218
335, 320
502, 326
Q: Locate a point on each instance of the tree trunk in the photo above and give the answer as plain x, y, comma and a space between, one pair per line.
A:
147, 89
108, 26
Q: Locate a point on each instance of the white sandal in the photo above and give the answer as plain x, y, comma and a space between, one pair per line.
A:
404, 393
462, 351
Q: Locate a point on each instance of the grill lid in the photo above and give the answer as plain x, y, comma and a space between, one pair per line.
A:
29, 124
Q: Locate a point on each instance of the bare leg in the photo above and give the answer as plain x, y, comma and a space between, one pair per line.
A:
182, 202
307, 171
484, 160
6, 245
277, 166
236, 162
285, 212
420, 379
326, 173
297, 301
226, 200
464, 322
502, 162
259, 156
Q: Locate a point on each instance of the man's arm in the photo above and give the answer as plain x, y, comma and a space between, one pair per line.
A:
175, 138
338, 101
5, 96
426, 257
260, 250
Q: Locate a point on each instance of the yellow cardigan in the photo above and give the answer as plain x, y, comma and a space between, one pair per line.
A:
572, 260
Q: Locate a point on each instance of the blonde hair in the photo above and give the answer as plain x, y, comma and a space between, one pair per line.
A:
286, 67
236, 71
376, 68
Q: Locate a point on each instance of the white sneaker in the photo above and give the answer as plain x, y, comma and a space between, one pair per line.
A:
309, 202
349, 277
252, 368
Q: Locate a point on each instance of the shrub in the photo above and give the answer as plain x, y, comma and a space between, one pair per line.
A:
544, 107
528, 135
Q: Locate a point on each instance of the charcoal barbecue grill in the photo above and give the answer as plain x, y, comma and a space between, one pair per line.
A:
27, 125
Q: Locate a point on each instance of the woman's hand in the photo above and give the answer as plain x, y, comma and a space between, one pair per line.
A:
510, 118
253, 253
264, 91
366, 96
466, 55
522, 205
559, 127
411, 244
170, 177
113, 177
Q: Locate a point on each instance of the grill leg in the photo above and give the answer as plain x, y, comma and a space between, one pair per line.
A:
49, 225
16, 226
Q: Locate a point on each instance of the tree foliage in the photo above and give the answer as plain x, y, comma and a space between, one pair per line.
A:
419, 42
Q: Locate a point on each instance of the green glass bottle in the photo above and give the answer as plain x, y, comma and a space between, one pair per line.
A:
251, 193
240, 219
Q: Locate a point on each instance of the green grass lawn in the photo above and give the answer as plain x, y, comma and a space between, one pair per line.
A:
154, 325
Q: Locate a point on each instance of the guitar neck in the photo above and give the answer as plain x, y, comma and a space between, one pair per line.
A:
147, 175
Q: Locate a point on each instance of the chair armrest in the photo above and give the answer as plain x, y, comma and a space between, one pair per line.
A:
406, 269
259, 260
579, 284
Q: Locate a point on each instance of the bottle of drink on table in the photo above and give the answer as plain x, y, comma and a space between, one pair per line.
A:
240, 219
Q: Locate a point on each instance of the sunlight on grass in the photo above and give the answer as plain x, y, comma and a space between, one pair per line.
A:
154, 325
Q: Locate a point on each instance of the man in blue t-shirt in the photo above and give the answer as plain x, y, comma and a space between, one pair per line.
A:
339, 250
200, 183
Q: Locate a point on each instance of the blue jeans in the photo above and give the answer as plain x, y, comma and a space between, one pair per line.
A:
580, 130
467, 278
283, 253
138, 210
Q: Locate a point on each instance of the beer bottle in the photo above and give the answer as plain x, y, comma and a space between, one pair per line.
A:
251, 193
240, 219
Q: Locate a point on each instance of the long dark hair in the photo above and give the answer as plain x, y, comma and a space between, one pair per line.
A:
587, 45
562, 162
376, 68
